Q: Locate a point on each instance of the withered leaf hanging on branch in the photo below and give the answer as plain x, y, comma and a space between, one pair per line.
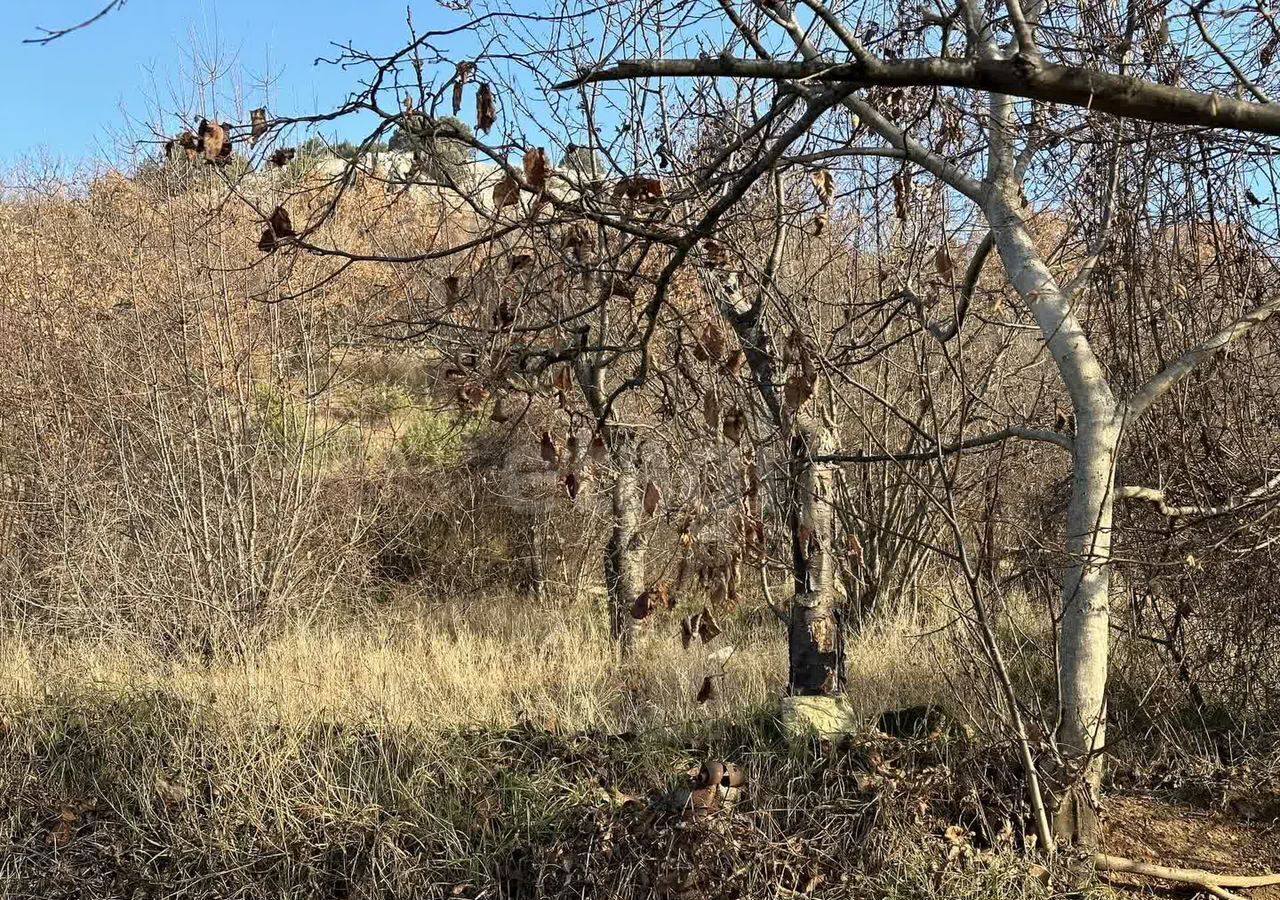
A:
472, 395
279, 228
576, 238
793, 348
451, 293
825, 185
819, 224
563, 378
550, 455
506, 193
257, 125
713, 341
536, 169
571, 486
486, 111
460, 78
702, 624
798, 390
185, 144
733, 363
708, 629
711, 411
653, 599
714, 254
943, 263
596, 450
735, 423
901, 194
638, 187
215, 141
283, 157
652, 496
503, 314
499, 413
707, 691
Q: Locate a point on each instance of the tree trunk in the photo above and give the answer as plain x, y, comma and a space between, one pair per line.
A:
532, 578
1084, 639
815, 638
624, 555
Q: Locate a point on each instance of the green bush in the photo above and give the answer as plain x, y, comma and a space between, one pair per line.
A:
430, 439
281, 419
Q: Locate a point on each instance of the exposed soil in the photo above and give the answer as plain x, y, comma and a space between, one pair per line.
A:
1174, 834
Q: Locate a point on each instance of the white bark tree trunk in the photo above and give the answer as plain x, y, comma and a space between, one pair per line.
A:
1084, 640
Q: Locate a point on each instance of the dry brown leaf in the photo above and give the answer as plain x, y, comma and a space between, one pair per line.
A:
499, 413
734, 424
506, 193
943, 263
486, 111
171, 793
472, 395
283, 157
279, 228
711, 411
451, 294
638, 187
185, 144
716, 257
708, 629
825, 184
548, 451
901, 194
577, 237
707, 691
819, 224
571, 486
563, 378
652, 496
620, 288
596, 449
215, 141
502, 314
798, 391
688, 628
536, 169
643, 607
460, 78
258, 125
733, 363
713, 341
64, 829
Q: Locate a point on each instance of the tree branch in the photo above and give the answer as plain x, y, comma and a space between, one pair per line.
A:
1196, 11
1119, 95
1106, 863
1156, 497
1184, 365
974, 443
52, 34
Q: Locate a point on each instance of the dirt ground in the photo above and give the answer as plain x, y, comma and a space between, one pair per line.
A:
1170, 834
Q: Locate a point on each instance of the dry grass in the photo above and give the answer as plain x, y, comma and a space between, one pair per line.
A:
469, 750
489, 664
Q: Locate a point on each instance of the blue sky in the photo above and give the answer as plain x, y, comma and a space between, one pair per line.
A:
87, 95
